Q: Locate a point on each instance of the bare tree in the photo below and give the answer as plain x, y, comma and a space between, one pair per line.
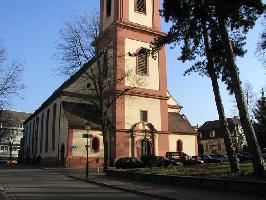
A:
250, 97
82, 45
261, 46
10, 78
75, 46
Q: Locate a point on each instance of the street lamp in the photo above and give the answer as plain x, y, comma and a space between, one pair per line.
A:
87, 136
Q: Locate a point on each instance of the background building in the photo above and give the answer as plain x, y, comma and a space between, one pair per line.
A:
211, 136
11, 126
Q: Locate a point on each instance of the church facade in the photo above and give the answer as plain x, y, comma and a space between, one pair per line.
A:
146, 120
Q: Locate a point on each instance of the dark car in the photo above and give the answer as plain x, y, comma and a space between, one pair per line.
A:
3, 162
128, 162
244, 157
222, 157
176, 162
159, 161
209, 159
183, 158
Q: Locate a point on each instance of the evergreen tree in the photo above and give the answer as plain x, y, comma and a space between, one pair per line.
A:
260, 121
216, 16
240, 16
191, 28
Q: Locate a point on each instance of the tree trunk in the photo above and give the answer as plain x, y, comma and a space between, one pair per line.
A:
10, 151
224, 125
105, 143
219, 105
257, 159
106, 159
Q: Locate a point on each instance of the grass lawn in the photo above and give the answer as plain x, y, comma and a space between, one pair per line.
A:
220, 170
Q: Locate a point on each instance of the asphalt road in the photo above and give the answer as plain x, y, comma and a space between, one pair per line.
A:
37, 184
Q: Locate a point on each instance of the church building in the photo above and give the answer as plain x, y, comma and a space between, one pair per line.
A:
146, 120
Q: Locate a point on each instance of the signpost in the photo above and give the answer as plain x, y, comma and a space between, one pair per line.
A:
87, 136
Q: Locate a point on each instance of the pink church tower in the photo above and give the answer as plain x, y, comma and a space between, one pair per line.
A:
141, 116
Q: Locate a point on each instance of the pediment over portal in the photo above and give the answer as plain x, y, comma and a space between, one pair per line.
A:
143, 127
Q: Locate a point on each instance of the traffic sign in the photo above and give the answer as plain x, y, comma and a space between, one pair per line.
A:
87, 135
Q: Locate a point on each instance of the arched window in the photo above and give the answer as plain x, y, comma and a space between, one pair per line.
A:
179, 146
105, 65
41, 139
95, 144
140, 6
47, 130
142, 62
53, 127
108, 7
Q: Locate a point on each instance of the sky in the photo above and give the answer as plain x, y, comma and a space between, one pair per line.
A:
30, 30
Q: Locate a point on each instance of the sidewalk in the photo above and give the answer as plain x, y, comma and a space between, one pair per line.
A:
157, 191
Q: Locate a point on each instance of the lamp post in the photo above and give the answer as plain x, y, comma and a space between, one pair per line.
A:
87, 136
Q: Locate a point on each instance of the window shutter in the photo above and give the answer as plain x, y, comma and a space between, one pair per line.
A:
140, 7
142, 64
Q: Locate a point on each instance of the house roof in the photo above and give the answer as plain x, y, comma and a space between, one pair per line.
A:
79, 115
216, 123
16, 117
172, 101
179, 124
66, 84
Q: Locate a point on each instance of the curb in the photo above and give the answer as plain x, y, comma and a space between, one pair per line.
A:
156, 196
246, 186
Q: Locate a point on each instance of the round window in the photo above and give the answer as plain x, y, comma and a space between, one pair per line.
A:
95, 144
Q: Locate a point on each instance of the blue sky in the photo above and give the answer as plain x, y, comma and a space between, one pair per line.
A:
30, 28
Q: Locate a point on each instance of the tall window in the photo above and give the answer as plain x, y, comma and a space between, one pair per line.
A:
41, 139
179, 146
140, 6
212, 133
105, 65
32, 137
144, 116
36, 134
47, 130
53, 130
108, 7
142, 62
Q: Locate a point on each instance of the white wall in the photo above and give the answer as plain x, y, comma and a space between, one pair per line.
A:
50, 152
189, 142
149, 82
133, 106
79, 144
139, 18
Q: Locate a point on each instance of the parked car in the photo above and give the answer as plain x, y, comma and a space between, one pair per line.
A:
209, 159
183, 158
222, 157
159, 161
128, 162
3, 162
244, 157
12, 162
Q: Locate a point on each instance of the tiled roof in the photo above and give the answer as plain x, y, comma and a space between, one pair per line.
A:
179, 124
17, 117
216, 123
66, 84
79, 114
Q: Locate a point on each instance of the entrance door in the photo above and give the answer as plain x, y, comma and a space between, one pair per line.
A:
62, 155
145, 147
